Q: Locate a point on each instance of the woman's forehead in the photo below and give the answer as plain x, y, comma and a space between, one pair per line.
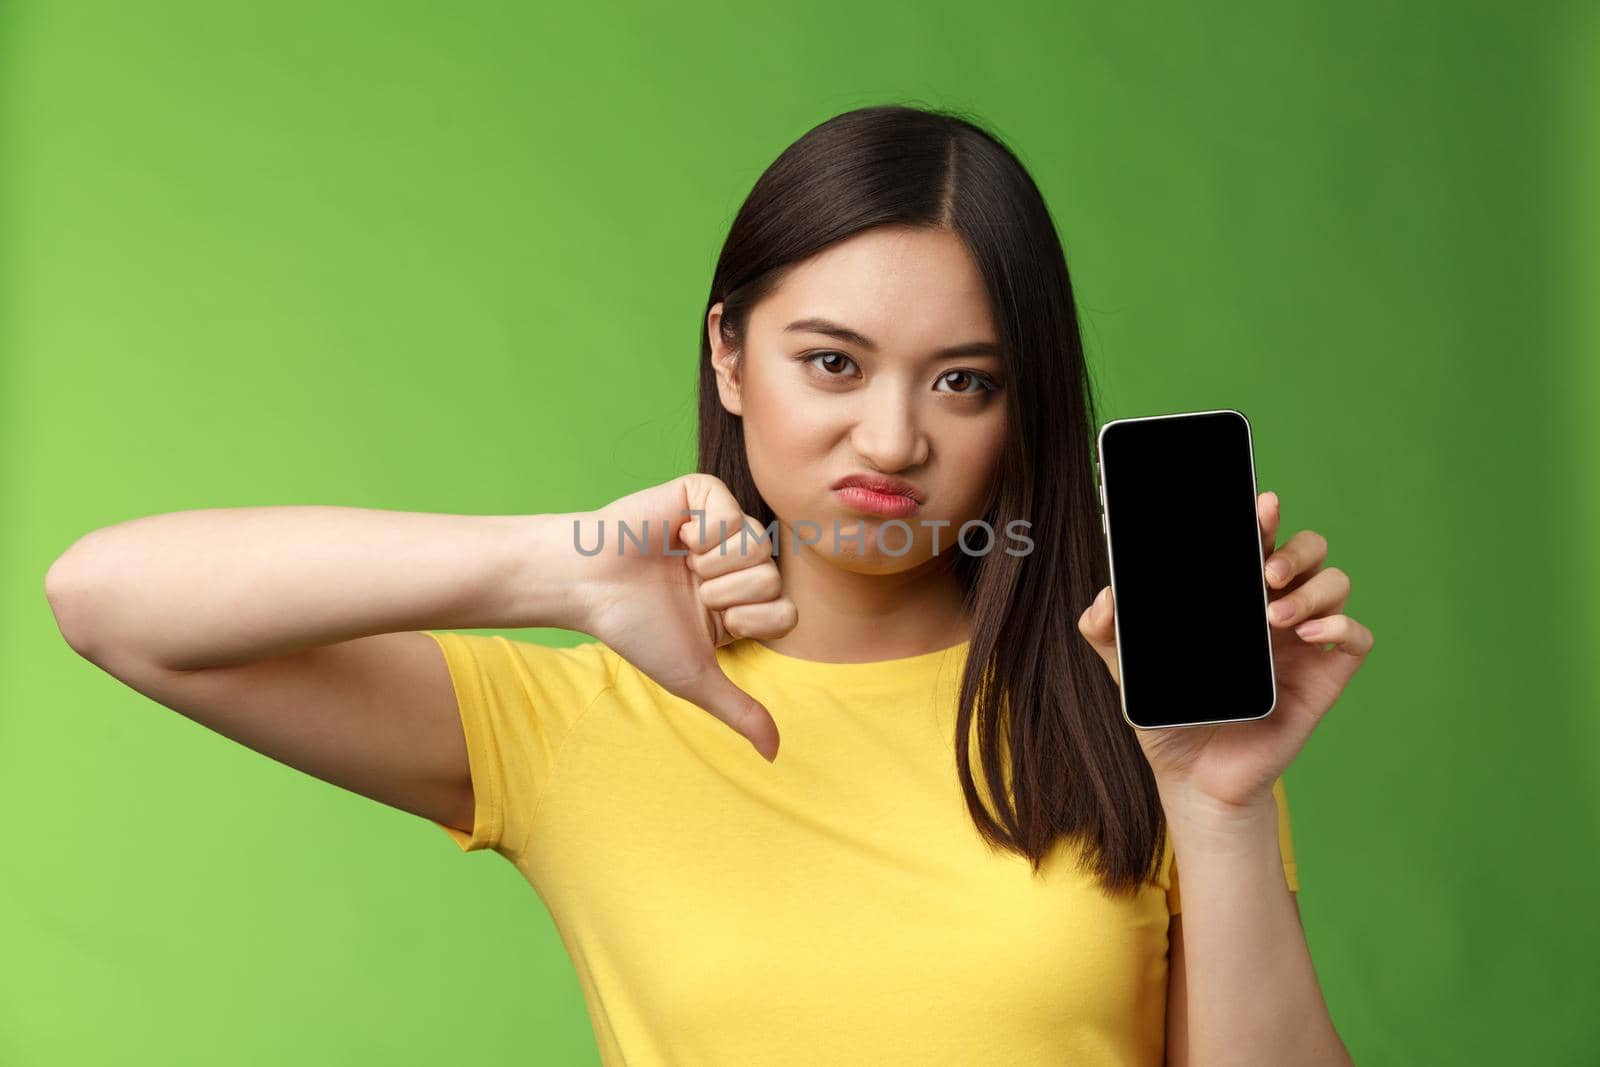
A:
909, 308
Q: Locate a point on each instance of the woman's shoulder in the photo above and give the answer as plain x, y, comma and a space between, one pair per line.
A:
574, 670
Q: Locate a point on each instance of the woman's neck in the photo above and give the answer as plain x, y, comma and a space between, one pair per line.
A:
853, 617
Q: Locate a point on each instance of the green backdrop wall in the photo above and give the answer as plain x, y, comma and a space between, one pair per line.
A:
452, 257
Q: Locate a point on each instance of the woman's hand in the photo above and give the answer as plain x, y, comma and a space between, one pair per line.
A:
1315, 648
667, 614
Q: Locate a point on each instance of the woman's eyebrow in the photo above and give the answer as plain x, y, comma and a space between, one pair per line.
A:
849, 336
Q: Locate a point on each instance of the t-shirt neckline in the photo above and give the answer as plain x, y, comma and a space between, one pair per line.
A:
772, 659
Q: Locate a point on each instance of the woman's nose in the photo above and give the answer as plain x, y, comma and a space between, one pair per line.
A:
888, 434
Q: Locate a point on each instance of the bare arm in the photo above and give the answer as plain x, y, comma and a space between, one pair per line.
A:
223, 586
292, 629
1241, 984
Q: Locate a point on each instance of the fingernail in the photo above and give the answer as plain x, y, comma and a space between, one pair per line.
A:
1277, 569
1309, 629
1281, 610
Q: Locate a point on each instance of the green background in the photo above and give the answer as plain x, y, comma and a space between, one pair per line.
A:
453, 257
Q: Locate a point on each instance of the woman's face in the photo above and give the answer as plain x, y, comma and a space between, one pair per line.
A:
844, 372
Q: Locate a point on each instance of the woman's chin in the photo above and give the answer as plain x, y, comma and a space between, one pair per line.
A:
858, 543
865, 547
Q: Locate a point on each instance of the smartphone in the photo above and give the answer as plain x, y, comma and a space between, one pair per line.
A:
1178, 506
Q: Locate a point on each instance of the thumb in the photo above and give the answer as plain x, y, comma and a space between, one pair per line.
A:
1097, 624
715, 692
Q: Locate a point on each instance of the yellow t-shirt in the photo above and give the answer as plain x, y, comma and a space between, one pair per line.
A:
837, 906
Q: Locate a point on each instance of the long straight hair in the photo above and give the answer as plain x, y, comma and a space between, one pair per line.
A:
1049, 727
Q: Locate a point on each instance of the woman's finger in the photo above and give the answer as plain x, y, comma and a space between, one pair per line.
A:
745, 544
1337, 632
1098, 626
712, 513
1268, 514
752, 585
716, 693
1301, 554
767, 620
1323, 592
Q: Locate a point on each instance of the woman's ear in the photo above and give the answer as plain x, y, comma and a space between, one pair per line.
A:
725, 362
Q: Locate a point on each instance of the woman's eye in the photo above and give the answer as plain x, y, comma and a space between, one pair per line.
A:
965, 382
961, 378
838, 360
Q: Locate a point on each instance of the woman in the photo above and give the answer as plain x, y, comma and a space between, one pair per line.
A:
890, 334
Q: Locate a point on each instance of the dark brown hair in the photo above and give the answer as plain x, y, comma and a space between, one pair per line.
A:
1047, 714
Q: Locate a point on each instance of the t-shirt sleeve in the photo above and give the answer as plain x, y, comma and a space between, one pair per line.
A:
518, 702
1285, 848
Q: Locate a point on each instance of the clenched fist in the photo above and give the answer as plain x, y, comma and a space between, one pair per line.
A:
694, 585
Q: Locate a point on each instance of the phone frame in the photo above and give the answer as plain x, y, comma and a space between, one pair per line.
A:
1105, 529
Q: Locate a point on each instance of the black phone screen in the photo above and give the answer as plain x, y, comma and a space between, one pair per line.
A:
1193, 644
